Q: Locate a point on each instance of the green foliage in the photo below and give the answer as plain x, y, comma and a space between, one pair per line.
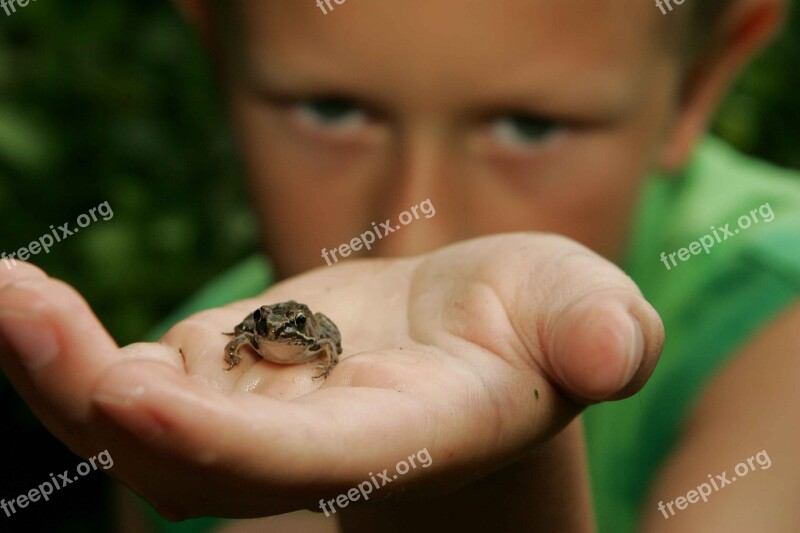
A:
114, 101
761, 115
110, 101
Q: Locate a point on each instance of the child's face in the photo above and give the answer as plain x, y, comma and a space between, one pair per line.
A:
509, 115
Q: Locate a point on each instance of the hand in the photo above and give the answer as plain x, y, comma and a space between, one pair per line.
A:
477, 352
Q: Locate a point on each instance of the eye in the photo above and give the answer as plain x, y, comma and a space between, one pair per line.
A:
331, 113
261, 325
524, 131
300, 320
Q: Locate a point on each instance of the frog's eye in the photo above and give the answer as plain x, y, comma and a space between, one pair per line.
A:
257, 315
300, 320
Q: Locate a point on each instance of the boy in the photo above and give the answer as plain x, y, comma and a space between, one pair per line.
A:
520, 115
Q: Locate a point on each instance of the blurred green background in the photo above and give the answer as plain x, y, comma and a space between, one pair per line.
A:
114, 101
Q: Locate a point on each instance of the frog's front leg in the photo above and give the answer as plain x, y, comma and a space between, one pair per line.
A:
332, 355
232, 348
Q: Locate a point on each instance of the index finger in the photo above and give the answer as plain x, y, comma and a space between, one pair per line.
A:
53, 347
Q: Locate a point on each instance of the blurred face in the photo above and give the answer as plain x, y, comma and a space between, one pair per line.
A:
509, 115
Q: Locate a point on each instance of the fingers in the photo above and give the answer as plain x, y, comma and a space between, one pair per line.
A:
182, 416
604, 345
155, 352
600, 338
53, 347
578, 317
217, 451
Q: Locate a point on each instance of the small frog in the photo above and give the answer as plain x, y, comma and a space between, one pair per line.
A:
287, 333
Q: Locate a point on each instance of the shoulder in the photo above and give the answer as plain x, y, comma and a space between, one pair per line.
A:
744, 422
713, 304
717, 255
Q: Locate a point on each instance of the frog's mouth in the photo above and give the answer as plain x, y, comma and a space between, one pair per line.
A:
286, 354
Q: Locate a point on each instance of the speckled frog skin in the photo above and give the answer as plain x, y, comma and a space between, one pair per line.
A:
287, 333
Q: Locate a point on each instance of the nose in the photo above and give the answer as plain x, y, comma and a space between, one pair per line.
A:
420, 170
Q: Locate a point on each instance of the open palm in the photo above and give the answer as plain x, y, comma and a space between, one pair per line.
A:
476, 352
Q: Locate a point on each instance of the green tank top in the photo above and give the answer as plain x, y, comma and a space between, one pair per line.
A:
710, 304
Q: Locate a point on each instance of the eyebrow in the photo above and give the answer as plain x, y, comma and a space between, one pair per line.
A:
599, 94
283, 95
522, 95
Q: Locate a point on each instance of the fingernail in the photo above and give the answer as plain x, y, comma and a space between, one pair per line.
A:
33, 342
636, 352
121, 406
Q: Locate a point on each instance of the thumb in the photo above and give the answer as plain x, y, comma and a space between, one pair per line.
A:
604, 345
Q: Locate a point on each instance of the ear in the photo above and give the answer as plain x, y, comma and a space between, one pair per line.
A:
746, 27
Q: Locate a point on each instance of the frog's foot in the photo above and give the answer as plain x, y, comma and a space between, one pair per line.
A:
230, 354
232, 348
325, 368
332, 352
233, 361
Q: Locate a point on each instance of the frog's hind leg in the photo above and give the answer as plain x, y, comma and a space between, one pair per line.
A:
331, 329
332, 355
